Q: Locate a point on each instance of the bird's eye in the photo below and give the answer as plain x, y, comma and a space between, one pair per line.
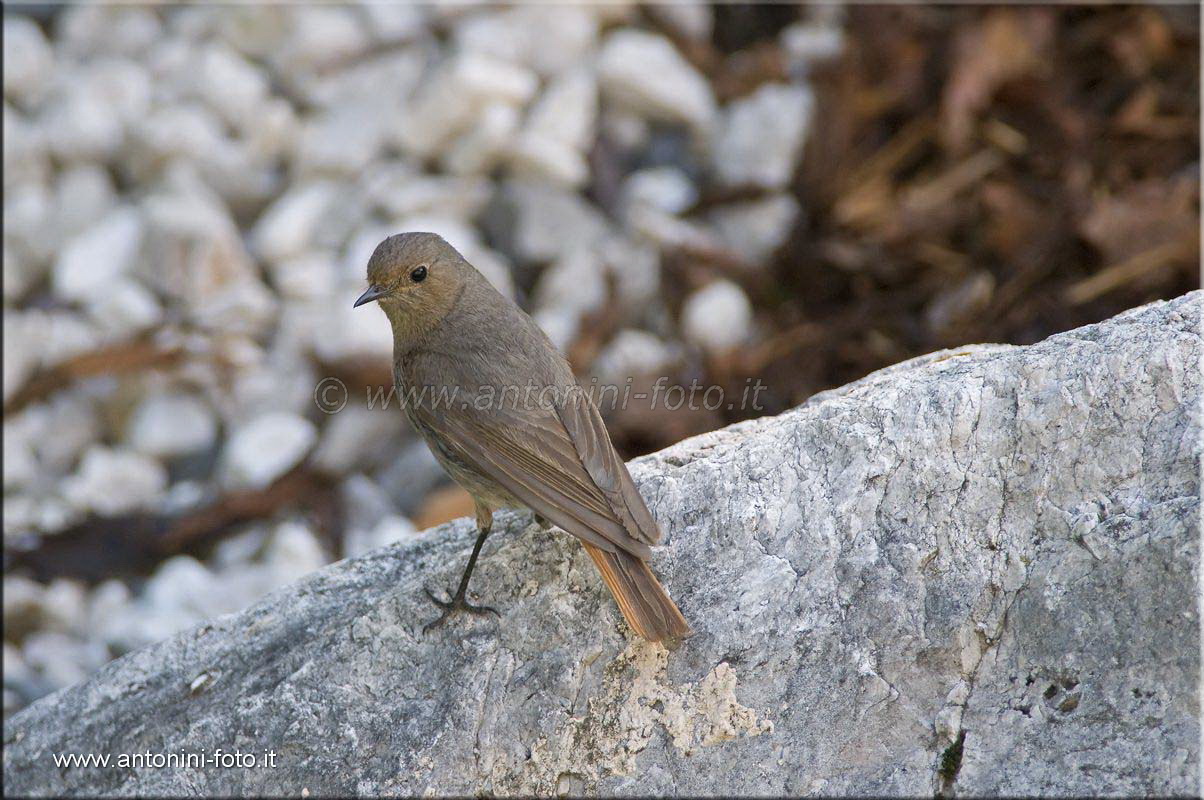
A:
418, 275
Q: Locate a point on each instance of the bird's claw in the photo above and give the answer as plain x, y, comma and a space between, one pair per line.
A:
457, 605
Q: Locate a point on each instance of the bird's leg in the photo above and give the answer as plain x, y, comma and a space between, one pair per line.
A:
458, 604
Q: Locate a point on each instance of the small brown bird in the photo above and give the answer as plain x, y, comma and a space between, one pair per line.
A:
501, 411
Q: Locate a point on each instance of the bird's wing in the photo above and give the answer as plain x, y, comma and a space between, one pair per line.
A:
560, 462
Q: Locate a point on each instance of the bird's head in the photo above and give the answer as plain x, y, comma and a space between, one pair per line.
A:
416, 279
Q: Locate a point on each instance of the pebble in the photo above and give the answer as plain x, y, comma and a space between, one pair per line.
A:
286, 229
263, 449
113, 481
522, 35
28, 60
757, 228
717, 317
124, 309
644, 72
93, 260
761, 136
167, 425
355, 436
392, 528
634, 352
668, 189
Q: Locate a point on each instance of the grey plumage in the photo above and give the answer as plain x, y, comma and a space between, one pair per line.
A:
502, 412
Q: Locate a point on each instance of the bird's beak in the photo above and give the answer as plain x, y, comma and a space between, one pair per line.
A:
374, 293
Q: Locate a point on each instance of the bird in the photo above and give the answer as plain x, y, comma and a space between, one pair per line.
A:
502, 412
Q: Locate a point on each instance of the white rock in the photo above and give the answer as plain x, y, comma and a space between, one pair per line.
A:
717, 317
91, 261
538, 156
86, 30
83, 194
757, 228
188, 131
451, 101
199, 258
306, 276
281, 381
806, 43
636, 269
55, 336
28, 517
238, 550
82, 127
392, 528
124, 308
567, 111
576, 281
400, 190
258, 31
552, 221
353, 265
14, 667
26, 160
123, 84
628, 130
184, 588
558, 131
230, 84
166, 425
644, 73
401, 70
20, 464
28, 60
29, 222
634, 352
761, 136
342, 333
293, 552
61, 428
261, 450
479, 149
272, 130
20, 275
665, 188
321, 37
107, 604
183, 497
62, 660
560, 324
36, 338
341, 141
354, 435
111, 481
494, 266
690, 19
64, 607
546, 38
368, 500
287, 228
389, 23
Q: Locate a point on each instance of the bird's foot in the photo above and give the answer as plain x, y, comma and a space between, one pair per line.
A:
457, 605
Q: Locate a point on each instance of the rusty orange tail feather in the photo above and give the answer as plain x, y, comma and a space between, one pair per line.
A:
646, 606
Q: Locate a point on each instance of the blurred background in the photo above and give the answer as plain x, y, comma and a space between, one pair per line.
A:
796, 194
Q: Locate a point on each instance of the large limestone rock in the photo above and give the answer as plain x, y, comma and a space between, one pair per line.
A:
972, 573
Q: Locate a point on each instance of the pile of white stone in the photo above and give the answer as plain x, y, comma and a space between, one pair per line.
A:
213, 179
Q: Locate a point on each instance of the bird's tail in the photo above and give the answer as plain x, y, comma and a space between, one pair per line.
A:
644, 603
